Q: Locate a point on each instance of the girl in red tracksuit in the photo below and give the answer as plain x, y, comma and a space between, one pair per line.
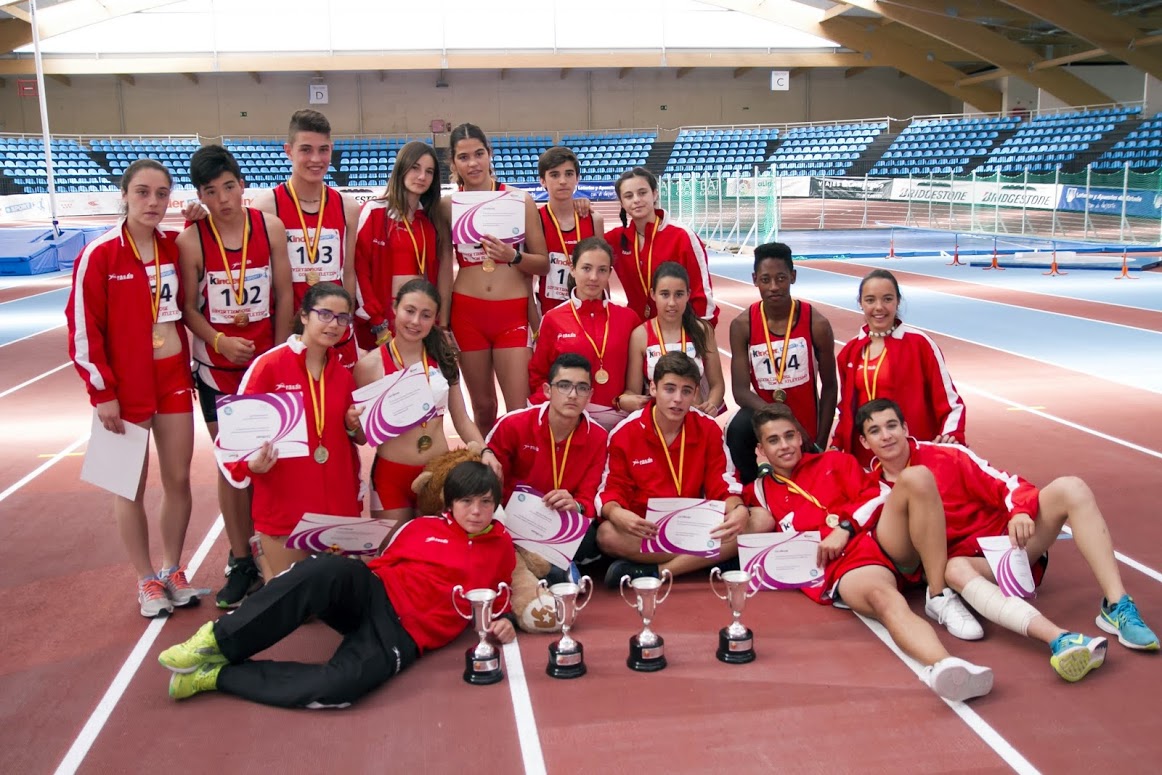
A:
889, 359
390, 611
326, 481
127, 343
396, 241
651, 238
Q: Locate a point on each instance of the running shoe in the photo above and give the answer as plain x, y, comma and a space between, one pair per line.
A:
201, 649
185, 685
956, 679
949, 610
178, 588
242, 579
1074, 655
1122, 619
635, 570
152, 599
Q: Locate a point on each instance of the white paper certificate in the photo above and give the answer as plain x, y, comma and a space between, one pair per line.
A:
554, 535
1010, 566
351, 535
113, 461
395, 404
247, 422
500, 214
784, 560
684, 526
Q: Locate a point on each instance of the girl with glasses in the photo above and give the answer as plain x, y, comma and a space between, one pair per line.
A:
326, 481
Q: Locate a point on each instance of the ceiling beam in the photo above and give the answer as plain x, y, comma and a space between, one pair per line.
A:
841, 7
945, 21
73, 15
1089, 22
11, 10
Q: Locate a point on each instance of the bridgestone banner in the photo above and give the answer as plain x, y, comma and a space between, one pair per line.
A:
1035, 196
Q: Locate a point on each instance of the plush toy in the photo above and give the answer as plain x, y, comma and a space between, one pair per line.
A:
535, 611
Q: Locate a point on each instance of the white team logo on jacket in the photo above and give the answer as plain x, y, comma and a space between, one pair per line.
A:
568, 335
643, 462
128, 276
281, 386
431, 539
787, 523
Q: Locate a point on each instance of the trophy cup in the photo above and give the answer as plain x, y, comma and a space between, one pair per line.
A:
567, 656
735, 642
646, 649
482, 661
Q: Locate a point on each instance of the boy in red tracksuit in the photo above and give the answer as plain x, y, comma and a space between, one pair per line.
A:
390, 611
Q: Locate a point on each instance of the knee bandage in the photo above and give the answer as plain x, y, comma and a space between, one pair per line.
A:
1012, 613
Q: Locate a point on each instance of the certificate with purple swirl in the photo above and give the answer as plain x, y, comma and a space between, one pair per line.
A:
554, 535
500, 214
355, 536
395, 404
684, 526
247, 422
783, 560
1010, 566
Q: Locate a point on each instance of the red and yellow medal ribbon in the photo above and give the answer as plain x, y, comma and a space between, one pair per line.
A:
561, 234
559, 473
238, 288
662, 340
155, 300
648, 276
786, 340
799, 490
318, 401
421, 252
312, 244
679, 475
604, 340
872, 388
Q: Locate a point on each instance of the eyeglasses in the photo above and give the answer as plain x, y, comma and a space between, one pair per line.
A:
326, 316
580, 388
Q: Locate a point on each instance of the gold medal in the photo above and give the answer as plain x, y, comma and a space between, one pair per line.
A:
424, 443
602, 376
158, 339
321, 455
832, 520
780, 395
489, 265
241, 319
312, 277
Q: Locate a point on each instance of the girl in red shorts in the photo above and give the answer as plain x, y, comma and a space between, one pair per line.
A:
491, 295
126, 341
400, 460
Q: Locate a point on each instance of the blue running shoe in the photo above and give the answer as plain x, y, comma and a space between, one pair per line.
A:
1122, 619
1074, 655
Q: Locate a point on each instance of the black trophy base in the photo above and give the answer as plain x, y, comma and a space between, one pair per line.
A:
735, 651
482, 672
646, 659
570, 664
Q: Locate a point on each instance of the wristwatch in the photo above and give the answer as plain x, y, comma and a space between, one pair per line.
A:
518, 257
846, 525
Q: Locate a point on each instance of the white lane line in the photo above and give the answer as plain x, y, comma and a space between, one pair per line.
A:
522, 708
37, 378
44, 466
1142, 568
991, 737
34, 295
30, 336
88, 735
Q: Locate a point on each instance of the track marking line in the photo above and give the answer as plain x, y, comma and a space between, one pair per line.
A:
991, 737
522, 708
30, 336
44, 466
1023, 408
37, 378
34, 295
71, 454
96, 722
1142, 568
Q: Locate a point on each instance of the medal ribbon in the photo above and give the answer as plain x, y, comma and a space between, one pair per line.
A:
423, 359
662, 339
798, 490
317, 402
312, 245
560, 234
649, 261
559, 473
786, 340
421, 253
239, 289
605, 338
871, 389
680, 474
155, 300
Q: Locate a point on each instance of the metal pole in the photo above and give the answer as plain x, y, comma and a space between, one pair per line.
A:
930, 180
863, 224
1125, 190
1056, 199
972, 203
706, 200
721, 183
777, 202
822, 202
951, 200
1085, 219
46, 136
996, 204
1024, 200
757, 238
908, 220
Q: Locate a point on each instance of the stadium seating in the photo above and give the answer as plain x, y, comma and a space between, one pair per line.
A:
1047, 141
823, 150
604, 156
22, 163
173, 152
1142, 148
699, 151
368, 162
942, 146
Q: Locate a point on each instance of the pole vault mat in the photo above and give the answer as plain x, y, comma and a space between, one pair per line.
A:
36, 251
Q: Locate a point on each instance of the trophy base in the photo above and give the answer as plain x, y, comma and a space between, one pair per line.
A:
646, 659
735, 651
570, 664
481, 672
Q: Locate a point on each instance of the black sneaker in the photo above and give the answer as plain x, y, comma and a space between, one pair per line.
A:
242, 579
635, 570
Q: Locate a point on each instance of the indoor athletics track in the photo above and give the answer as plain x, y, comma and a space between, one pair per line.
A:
1060, 376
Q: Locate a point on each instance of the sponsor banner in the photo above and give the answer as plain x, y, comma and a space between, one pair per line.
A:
851, 188
1108, 201
593, 190
766, 186
1035, 196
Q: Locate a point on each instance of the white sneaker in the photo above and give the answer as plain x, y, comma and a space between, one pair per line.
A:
949, 610
152, 600
955, 679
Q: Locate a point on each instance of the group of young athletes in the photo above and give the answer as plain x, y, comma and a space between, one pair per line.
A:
607, 405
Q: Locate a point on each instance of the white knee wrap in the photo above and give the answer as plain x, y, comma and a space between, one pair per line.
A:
1012, 613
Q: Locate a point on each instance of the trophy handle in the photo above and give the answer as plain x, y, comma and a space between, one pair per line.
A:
502, 587
585, 585
622, 586
715, 573
459, 590
667, 579
542, 587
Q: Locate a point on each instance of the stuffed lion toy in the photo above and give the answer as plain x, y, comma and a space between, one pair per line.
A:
535, 611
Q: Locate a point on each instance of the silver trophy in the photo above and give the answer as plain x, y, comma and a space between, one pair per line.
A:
735, 642
482, 661
647, 648
567, 656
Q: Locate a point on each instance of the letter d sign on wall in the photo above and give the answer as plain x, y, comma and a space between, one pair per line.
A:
318, 93
780, 80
